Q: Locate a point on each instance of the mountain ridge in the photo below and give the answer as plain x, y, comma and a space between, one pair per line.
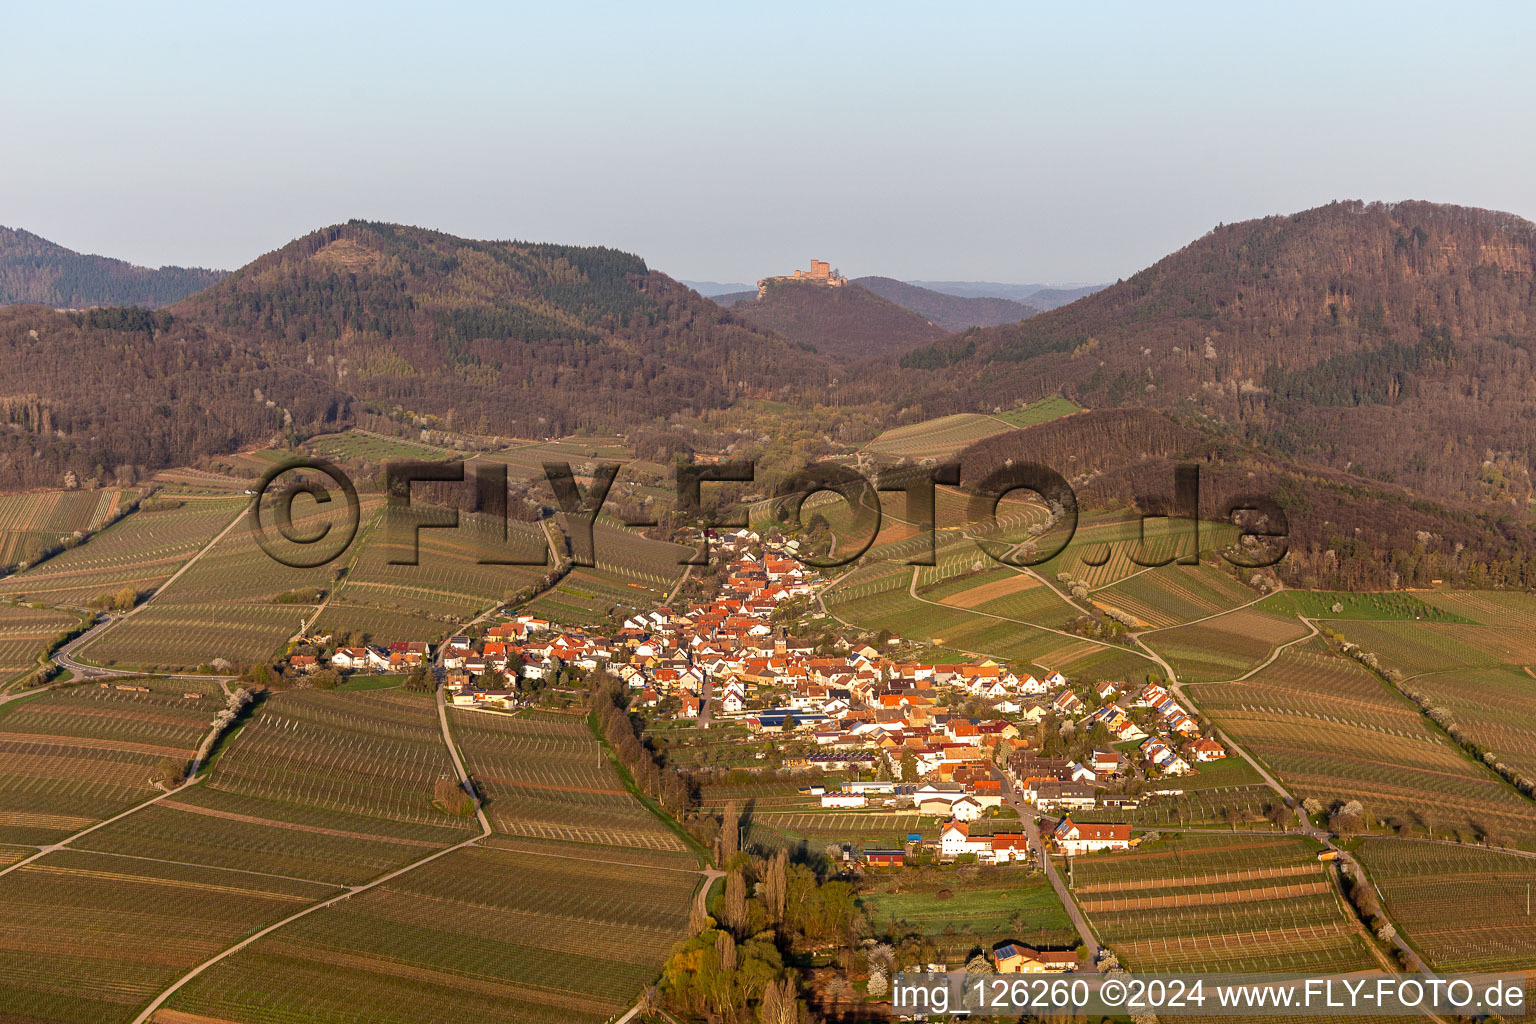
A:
951, 312
1389, 339
36, 271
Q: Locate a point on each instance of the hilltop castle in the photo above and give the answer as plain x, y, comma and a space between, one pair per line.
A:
821, 273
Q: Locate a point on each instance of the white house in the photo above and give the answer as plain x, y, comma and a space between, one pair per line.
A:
1073, 839
956, 840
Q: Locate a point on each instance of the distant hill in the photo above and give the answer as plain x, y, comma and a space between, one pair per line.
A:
507, 338
951, 312
1395, 341
1040, 296
1052, 298
846, 323
714, 289
35, 271
729, 299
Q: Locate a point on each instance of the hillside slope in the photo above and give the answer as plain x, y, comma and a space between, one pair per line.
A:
497, 337
36, 271
504, 338
1390, 340
843, 324
951, 312
1344, 530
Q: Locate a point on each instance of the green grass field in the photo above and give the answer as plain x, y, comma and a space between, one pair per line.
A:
978, 908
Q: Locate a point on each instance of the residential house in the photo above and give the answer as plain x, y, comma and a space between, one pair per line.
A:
1074, 839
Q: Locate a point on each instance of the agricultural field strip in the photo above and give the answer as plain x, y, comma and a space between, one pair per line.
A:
187, 565
134, 550
486, 831
912, 592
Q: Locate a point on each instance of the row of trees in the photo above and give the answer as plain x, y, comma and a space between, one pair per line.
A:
657, 780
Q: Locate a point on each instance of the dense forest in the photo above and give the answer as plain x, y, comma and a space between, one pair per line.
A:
106, 394
35, 271
843, 323
1394, 341
498, 337
1345, 531
951, 312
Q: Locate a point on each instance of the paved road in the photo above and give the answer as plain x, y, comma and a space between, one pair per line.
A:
1027, 814
64, 657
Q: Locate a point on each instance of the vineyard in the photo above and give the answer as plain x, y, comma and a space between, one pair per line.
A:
1415, 647
479, 935
633, 573
374, 753
1226, 646
1429, 889
450, 583
879, 829
74, 756
1219, 904
1494, 706
1172, 594
939, 438
216, 828
33, 523
25, 633
1489, 607
91, 937
552, 779
223, 606
1331, 730
140, 551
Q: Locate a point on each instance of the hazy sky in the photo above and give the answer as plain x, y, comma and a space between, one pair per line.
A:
1003, 142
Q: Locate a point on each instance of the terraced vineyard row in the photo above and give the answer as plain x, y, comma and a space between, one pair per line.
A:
1219, 904
72, 757
1331, 730
553, 780
481, 934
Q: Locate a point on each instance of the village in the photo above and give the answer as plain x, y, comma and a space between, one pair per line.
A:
969, 745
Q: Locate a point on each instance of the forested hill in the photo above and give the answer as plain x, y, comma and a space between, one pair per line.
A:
503, 338
951, 312
34, 270
498, 337
1395, 341
843, 323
